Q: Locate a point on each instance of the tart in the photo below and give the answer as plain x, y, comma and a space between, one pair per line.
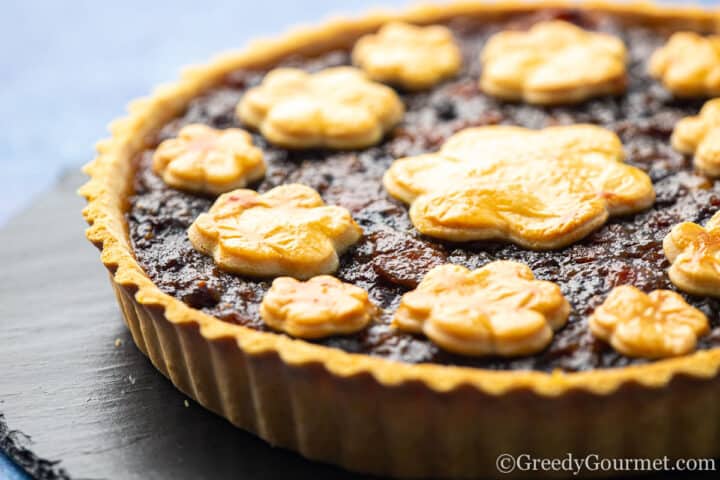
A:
407, 266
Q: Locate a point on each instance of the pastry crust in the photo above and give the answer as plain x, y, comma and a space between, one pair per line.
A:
499, 309
555, 62
288, 230
541, 189
268, 383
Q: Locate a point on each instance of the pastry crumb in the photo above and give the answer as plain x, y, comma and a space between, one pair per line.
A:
337, 108
321, 307
248, 233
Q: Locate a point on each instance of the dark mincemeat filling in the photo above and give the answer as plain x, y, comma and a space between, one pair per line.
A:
392, 257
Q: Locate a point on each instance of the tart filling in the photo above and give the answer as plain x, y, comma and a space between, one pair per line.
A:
392, 257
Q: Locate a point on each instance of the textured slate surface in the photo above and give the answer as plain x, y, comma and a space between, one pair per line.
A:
75, 397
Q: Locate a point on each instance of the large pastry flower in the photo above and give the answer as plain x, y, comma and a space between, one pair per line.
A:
499, 309
657, 325
321, 307
694, 252
413, 57
553, 62
335, 108
700, 135
541, 189
689, 65
286, 231
205, 160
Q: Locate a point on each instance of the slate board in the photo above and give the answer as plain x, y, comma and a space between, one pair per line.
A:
75, 405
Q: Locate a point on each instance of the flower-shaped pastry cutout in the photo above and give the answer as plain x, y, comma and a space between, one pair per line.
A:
694, 252
286, 231
541, 189
552, 63
688, 65
700, 134
413, 57
499, 309
335, 108
657, 325
321, 307
202, 159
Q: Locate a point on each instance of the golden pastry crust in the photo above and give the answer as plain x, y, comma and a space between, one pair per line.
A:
700, 134
541, 189
286, 231
688, 65
413, 57
204, 160
499, 309
554, 62
335, 108
320, 307
268, 384
657, 325
694, 253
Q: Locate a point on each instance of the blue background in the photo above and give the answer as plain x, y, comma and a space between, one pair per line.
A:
68, 68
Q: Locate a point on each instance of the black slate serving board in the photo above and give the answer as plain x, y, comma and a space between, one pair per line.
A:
77, 398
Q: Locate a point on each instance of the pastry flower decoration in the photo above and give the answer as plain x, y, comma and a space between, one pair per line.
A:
657, 325
202, 159
541, 189
499, 309
554, 62
700, 134
335, 108
287, 231
321, 307
413, 57
688, 65
694, 252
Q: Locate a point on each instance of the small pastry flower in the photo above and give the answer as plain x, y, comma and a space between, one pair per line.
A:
202, 159
415, 58
541, 189
552, 63
286, 231
694, 252
335, 108
321, 307
688, 65
700, 134
499, 309
657, 325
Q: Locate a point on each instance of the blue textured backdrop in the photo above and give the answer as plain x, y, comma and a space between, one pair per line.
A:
68, 68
